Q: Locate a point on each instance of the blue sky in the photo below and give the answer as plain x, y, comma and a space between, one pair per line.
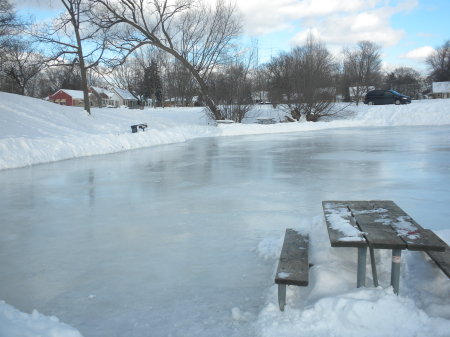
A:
407, 30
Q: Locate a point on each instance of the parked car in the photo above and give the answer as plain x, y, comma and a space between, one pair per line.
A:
386, 97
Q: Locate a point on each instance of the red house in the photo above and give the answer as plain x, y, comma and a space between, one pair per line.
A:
68, 97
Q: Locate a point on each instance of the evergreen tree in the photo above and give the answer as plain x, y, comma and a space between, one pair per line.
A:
151, 85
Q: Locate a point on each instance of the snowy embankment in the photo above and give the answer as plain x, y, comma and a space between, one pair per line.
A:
34, 131
14, 323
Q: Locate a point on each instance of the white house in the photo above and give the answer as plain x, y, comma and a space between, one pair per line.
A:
441, 89
104, 97
125, 97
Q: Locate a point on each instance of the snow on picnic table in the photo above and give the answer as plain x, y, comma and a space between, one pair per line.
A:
34, 131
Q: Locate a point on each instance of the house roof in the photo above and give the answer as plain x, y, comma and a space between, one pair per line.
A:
76, 94
125, 94
103, 92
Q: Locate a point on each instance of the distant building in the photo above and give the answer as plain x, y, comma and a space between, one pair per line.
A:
125, 98
98, 97
102, 97
67, 97
441, 90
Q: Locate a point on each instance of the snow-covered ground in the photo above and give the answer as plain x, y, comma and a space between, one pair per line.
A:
34, 131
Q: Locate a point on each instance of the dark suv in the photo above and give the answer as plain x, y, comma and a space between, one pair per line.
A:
386, 97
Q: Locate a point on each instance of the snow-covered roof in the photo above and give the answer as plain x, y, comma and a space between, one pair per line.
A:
103, 91
441, 87
125, 94
76, 94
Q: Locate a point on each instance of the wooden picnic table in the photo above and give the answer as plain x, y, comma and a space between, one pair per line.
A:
378, 224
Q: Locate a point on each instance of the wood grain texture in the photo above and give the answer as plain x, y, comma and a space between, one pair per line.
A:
378, 235
293, 267
415, 236
442, 260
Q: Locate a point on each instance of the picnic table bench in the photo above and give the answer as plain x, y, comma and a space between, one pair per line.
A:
265, 120
293, 265
441, 259
380, 224
135, 128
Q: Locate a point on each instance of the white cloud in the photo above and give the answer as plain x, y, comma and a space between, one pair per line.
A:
334, 21
42, 4
418, 54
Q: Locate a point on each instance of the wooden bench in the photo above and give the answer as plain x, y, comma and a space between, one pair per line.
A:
137, 127
265, 120
293, 267
442, 260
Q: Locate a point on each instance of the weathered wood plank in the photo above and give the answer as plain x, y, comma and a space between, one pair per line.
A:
342, 228
377, 233
442, 260
293, 267
415, 236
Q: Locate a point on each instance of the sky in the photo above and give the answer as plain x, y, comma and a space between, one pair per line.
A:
407, 30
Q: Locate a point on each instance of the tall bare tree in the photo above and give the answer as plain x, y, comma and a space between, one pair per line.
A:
304, 81
75, 41
21, 63
8, 18
196, 34
439, 63
362, 68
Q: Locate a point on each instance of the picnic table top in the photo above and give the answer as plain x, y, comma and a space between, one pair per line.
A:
377, 224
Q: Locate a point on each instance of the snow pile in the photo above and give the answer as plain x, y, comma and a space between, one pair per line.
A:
34, 131
361, 312
14, 323
332, 306
424, 112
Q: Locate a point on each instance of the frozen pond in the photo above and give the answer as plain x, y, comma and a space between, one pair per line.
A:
163, 241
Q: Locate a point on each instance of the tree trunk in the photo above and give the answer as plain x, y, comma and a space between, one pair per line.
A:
84, 84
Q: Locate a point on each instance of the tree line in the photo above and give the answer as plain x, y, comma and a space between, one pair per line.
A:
189, 50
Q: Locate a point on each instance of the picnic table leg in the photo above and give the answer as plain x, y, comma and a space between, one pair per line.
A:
281, 296
374, 267
361, 275
395, 269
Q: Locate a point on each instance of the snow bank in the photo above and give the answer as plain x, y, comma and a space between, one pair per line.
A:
332, 306
34, 131
361, 312
14, 323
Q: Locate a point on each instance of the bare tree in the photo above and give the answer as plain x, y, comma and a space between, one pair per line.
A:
75, 41
232, 91
362, 68
8, 18
195, 34
279, 73
21, 63
304, 81
405, 80
439, 63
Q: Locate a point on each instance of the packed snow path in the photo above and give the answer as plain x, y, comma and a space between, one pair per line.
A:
182, 240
